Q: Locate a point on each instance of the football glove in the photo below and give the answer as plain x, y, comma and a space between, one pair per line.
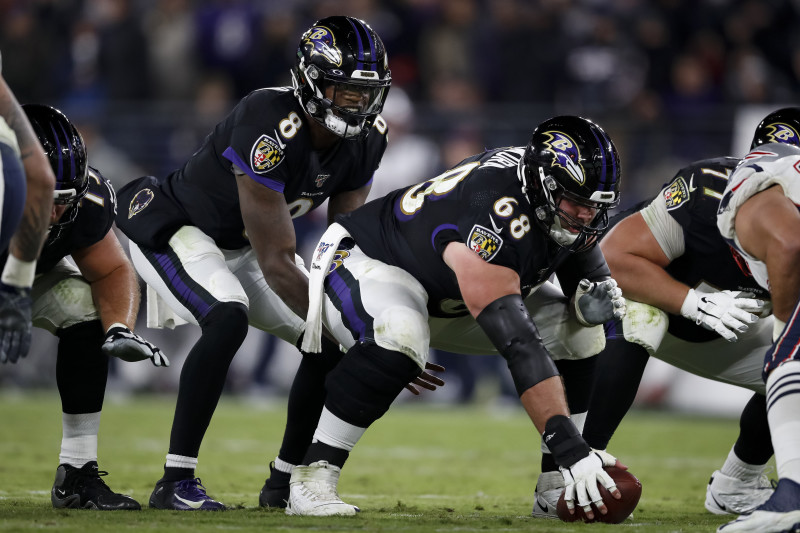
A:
15, 322
124, 344
721, 311
581, 481
598, 302
426, 380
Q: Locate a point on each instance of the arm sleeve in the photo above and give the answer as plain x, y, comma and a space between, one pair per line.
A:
666, 230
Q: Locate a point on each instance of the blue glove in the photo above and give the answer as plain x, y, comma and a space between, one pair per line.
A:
121, 342
15, 322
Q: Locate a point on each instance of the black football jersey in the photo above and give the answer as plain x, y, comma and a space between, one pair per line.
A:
96, 212
692, 198
479, 202
267, 137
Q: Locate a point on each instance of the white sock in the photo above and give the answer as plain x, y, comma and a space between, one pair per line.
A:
79, 438
736, 468
783, 414
335, 432
181, 461
283, 466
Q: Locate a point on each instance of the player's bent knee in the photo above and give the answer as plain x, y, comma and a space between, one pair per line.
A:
364, 384
227, 317
404, 329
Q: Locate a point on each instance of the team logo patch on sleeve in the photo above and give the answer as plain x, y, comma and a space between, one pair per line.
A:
140, 200
266, 154
484, 242
676, 193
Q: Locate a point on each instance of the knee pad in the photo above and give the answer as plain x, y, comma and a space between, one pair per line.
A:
228, 319
364, 384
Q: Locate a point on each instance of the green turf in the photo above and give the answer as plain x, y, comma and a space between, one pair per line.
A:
421, 468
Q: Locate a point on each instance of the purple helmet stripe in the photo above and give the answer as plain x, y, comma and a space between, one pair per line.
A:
608, 185
363, 35
60, 172
72, 172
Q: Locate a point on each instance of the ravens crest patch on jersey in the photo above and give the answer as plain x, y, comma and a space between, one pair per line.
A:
267, 154
140, 200
676, 193
565, 150
484, 242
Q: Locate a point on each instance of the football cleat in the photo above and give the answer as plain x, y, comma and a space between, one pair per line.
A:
82, 488
549, 487
780, 514
312, 492
729, 495
183, 495
275, 492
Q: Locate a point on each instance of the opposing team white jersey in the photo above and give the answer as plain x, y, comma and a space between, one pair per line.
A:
767, 165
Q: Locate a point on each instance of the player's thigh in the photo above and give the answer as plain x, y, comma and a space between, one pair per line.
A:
62, 298
369, 301
561, 333
190, 274
737, 363
267, 311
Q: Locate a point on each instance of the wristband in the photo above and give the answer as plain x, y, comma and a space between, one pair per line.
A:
18, 273
564, 441
117, 325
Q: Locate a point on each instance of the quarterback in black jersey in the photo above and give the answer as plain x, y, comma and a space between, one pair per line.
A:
691, 303
26, 201
90, 307
469, 244
215, 239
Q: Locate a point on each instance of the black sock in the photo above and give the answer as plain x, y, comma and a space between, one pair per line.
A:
617, 376
754, 445
203, 376
306, 399
177, 474
320, 451
81, 368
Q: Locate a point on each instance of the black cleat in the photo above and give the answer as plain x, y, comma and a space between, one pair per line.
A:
275, 491
82, 488
183, 495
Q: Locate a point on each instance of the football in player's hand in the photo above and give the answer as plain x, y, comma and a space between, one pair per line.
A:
618, 510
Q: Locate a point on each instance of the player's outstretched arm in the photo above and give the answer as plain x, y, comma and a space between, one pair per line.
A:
115, 291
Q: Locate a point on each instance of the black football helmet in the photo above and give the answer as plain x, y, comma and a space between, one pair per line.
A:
572, 158
781, 126
65, 150
345, 54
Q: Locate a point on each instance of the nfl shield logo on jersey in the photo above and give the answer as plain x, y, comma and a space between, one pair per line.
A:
484, 242
140, 200
266, 154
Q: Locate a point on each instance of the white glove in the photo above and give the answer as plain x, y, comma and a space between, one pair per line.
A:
121, 342
581, 481
721, 311
597, 303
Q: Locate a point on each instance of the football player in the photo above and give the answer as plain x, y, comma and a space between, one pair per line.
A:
470, 243
26, 200
758, 216
215, 239
687, 297
90, 307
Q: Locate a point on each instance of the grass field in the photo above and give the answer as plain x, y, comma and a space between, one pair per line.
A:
421, 468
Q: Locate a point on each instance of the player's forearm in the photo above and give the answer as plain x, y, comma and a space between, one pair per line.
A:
644, 281
28, 239
290, 283
116, 297
545, 400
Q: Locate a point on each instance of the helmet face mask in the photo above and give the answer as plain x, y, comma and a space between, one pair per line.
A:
781, 126
341, 76
570, 174
66, 152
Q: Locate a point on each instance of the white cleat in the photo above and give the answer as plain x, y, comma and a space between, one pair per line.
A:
763, 522
729, 495
549, 487
312, 492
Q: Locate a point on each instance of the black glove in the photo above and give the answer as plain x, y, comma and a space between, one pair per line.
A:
15, 322
126, 345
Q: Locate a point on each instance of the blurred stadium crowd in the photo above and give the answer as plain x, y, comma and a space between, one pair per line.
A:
146, 80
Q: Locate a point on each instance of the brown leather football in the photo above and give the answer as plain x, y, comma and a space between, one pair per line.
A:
618, 510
